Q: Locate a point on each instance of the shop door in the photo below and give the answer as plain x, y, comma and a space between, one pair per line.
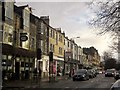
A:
17, 70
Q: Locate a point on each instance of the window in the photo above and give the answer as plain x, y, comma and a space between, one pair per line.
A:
53, 34
32, 43
60, 38
9, 37
42, 28
60, 50
64, 41
22, 64
56, 38
68, 43
50, 47
4, 57
26, 18
9, 10
53, 48
3, 62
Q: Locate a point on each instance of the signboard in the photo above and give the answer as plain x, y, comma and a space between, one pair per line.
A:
23, 37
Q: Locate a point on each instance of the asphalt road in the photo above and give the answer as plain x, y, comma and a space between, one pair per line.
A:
99, 82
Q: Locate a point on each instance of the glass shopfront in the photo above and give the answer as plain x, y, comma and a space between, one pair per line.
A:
17, 68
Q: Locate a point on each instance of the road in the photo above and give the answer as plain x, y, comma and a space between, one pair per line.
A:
98, 82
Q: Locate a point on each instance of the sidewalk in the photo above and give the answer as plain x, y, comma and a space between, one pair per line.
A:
30, 83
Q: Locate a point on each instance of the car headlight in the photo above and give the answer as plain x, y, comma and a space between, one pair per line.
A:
83, 75
117, 73
112, 73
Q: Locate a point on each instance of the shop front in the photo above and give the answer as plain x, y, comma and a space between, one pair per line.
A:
17, 63
59, 62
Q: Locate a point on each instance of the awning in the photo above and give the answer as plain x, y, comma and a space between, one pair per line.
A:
45, 57
58, 58
10, 50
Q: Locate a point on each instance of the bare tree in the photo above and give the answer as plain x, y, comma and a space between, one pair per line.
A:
108, 19
107, 55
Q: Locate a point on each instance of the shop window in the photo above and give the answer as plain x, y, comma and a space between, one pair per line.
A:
31, 64
10, 37
4, 57
22, 64
9, 62
26, 64
9, 57
3, 62
32, 43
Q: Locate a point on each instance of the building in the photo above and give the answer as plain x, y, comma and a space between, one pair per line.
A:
68, 54
56, 43
7, 34
80, 57
17, 57
44, 44
92, 56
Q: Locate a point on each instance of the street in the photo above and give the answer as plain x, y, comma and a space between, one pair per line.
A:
98, 82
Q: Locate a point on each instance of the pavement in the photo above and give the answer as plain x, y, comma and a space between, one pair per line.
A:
22, 84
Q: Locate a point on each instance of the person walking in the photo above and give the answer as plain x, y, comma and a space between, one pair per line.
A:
40, 72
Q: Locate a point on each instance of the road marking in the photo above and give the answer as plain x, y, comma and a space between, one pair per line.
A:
67, 87
91, 81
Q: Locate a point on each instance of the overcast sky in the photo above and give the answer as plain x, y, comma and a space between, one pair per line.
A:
72, 18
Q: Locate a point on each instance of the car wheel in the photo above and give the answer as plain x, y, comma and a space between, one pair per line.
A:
88, 78
73, 79
116, 78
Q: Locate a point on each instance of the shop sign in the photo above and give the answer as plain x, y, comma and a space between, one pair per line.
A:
23, 37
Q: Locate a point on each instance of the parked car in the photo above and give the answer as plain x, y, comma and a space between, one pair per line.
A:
91, 73
81, 74
95, 72
109, 72
116, 85
117, 75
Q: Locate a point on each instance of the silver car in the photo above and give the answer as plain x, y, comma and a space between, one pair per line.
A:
116, 85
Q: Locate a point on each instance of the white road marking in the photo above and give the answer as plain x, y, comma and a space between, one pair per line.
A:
67, 87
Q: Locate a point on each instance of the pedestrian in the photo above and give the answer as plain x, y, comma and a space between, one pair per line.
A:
73, 71
35, 74
3, 74
70, 73
40, 72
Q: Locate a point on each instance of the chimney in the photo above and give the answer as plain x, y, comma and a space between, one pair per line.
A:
45, 18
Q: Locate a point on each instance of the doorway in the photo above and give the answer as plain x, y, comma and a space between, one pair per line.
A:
17, 70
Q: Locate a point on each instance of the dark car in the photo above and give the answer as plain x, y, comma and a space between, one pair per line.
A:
91, 73
81, 74
116, 85
109, 72
117, 75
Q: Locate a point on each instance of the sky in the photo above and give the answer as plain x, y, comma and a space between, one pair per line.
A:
72, 18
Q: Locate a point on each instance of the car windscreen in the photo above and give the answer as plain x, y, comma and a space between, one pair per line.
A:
110, 70
80, 71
